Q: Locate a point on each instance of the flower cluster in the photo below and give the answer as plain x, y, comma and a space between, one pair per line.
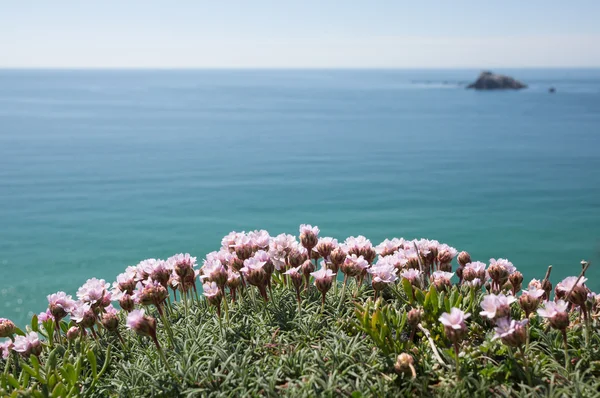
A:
247, 263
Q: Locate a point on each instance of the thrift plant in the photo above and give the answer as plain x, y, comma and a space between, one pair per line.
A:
308, 316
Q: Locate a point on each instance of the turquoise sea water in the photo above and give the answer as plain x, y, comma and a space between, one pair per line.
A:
100, 169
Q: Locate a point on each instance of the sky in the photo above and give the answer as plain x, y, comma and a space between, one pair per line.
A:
299, 34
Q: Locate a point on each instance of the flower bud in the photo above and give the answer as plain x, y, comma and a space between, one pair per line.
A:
7, 327
73, 333
547, 287
469, 274
307, 268
446, 267
296, 258
445, 257
368, 254
414, 317
516, 280
236, 263
244, 251
110, 321
126, 302
141, 324
464, 258
324, 248
560, 321
337, 258
578, 295
528, 303
403, 364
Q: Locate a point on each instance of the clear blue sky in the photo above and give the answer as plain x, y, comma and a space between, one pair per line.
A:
307, 33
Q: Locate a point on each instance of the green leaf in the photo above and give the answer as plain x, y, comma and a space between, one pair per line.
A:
12, 381
51, 362
69, 373
106, 362
93, 364
29, 370
19, 332
408, 289
34, 324
59, 390
420, 296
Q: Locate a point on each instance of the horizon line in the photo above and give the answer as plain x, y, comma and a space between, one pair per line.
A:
288, 67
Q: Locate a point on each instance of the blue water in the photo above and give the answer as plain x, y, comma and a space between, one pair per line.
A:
100, 169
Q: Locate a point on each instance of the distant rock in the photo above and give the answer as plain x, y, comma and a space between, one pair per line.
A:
491, 81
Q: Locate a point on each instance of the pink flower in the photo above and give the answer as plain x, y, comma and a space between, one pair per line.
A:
309, 237
504, 263
126, 281
533, 292
475, 283
252, 264
325, 246
6, 347
323, 273
475, 269
445, 276
359, 246
496, 306
83, 314
93, 291
512, 333
210, 289
446, 253
441, 280
295, 275
535, 283
28, 344
556, 313
60, 304
388, 247
213, 295
354, 265
309, 229
261, 239
383, 272
553, 308
567, 284
455, 319
142, 324
411, 274
47, 316
323, 280
214, 271
229, 241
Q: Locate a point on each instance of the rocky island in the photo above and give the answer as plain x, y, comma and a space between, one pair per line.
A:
491, 81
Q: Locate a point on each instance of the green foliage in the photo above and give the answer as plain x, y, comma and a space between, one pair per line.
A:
275, 349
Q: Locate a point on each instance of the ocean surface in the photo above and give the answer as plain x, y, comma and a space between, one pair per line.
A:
100, 169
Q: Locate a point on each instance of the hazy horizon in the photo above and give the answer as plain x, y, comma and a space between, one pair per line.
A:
267, 34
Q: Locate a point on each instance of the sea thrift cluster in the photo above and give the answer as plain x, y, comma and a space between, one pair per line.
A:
419, 273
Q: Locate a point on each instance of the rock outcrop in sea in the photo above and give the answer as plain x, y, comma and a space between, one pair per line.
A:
491, 81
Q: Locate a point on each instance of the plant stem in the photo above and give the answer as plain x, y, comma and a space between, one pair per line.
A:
162, 357
226, 306
185, 301
167, 325
457, 361
567, 362
343, 295
526, 365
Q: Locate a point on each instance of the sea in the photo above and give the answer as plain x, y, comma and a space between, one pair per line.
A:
100, 169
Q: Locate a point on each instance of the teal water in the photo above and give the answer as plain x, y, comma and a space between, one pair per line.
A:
100, 169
